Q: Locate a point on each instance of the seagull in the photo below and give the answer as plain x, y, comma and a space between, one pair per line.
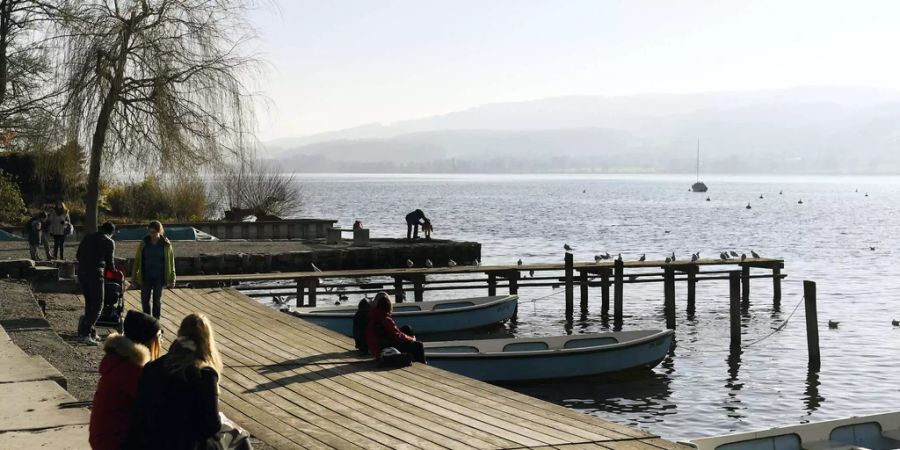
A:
895, 323
607, 256
567, 248
743, 257
754, 254
451, 263
723, 256
343, 297
867, 194
428, 263
531, 273
694, 257
748, 206
632, 277
597, 259
667, 231
409, 263
519, 262
668, 260
477, 262
279, 300
734, 253
872, 248
800, 202
643, 258
619, 258
780, 192
760, 196
833, 324
673, 256
707, 199
314, 268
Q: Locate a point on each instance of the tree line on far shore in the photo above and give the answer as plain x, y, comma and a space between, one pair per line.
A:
95, 94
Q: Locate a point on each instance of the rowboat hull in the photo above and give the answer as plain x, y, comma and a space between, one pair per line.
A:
424, 317
613, 352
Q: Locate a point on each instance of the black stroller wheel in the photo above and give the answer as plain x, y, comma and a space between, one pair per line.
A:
121, 326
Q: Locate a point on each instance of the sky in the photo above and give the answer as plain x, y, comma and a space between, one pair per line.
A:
336, 64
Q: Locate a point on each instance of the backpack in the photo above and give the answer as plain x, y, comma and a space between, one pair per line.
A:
391, 357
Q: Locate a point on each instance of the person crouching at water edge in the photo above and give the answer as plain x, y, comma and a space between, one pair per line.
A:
382, 331
154, 267
120, 370
413, 220
177, 405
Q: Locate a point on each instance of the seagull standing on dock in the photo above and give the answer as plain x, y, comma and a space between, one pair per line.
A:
531, 273
597, 259
409, 263
723, 256
673, 256
619, 258
643, 258
314, 268
694, 257
451, 263
567, 248
519, 262
279, 300
754, 254
428, 263
743, 257
734, 254
668, 260
478, 263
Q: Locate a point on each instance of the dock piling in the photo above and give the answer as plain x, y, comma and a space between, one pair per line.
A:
691, 292
776, 289
300, 292
492, 284
735, 309
604, 291
513, 279
583, 277
619, 275
745, 286
570, 294
669, 295
398, 289
812, 324
419, 288
312, 284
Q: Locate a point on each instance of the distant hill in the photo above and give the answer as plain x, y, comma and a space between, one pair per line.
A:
799, 130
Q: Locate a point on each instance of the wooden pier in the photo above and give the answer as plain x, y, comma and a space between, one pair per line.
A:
295, 385
568, 274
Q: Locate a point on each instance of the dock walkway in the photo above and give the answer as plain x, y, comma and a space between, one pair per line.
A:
296, 385
35, 413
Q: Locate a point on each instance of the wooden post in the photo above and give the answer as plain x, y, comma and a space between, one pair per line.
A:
619, 275
301, 286
312, 284
492, 284
419, 287
604, 292
669, 295
735, 309
513, 283
776, 288
692, 291
570, 294
398, 290
812, 324
745, 287
583, 279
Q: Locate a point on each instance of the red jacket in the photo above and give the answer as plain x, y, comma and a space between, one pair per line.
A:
381, 331
120, 370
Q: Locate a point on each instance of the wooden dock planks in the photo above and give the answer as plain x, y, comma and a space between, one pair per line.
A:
296, 385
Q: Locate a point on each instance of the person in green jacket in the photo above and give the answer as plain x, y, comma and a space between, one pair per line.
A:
154, 268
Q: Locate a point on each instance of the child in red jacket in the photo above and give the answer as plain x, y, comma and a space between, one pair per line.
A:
120, 370
382, 331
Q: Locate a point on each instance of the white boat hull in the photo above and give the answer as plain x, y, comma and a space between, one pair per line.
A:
645, 351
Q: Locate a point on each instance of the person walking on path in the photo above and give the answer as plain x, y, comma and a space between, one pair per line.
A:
60, 226
45, 235
154, 268
413, 220
33, 233
177, 405
120, 370
382, 331
95, 253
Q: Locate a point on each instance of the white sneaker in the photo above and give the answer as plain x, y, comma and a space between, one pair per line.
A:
87, 340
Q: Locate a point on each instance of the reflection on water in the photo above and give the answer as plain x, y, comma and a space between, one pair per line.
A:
706, 390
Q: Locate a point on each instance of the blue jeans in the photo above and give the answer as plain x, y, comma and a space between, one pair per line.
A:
152, 287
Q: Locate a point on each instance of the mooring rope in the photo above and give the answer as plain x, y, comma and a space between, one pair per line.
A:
780, 327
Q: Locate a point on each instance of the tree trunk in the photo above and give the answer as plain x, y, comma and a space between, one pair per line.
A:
92, 199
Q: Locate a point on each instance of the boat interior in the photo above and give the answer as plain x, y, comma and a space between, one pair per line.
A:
515, 345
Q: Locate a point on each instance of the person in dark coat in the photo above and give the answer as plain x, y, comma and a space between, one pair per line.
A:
95, 253
120, 370
382, 331
177, 405
33, 231
360, 320
413, 220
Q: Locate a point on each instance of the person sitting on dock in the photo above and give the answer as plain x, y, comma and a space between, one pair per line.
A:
413, 220
360, 320
120, 370
382, 331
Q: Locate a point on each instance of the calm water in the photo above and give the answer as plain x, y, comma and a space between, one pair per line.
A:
700, 389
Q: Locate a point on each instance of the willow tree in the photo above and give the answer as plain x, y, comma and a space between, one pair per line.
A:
158, 85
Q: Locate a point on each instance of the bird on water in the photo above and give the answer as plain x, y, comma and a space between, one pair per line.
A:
800, 202
760, 196
707, 199
895, 323
833, 324
748, 206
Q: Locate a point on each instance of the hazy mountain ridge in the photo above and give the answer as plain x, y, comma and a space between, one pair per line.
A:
832, 130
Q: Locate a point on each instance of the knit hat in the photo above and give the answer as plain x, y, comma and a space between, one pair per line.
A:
140, 327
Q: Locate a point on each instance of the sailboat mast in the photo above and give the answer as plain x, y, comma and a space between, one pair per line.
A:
698, 160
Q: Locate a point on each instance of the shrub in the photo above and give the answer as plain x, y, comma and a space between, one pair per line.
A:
187, 200
182, 200
12, 207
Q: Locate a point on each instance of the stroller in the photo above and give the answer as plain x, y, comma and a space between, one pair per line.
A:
112, 313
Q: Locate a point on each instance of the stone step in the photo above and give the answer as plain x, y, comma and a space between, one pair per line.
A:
35, 405
70, 437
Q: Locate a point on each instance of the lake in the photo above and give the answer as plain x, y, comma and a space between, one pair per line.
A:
700, 389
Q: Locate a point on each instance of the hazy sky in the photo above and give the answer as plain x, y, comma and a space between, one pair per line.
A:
339, 63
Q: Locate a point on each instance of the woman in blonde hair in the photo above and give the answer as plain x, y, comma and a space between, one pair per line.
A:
178, 396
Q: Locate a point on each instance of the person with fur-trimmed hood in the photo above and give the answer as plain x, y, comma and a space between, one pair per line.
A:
120, 371
154, 268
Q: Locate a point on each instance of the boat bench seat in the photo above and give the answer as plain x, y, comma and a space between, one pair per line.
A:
783, 442
831, 445
867, 435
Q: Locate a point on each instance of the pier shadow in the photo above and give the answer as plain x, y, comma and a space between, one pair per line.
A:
321, 372
338, 358
812, 400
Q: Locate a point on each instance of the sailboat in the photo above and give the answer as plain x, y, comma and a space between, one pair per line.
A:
699, 186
